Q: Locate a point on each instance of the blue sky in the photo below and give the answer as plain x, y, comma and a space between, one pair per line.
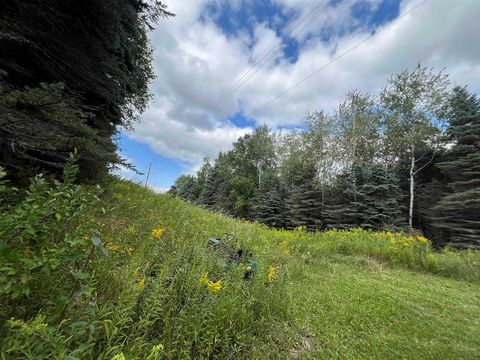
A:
210, 44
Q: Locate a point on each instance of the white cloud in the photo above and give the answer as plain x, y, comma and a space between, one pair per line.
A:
185, 140
196, 63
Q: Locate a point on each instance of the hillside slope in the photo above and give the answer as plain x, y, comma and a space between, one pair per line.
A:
164, 292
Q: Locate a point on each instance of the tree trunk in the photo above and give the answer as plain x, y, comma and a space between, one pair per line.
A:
412, 185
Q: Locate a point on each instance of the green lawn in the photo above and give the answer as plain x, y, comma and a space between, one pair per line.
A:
359, 309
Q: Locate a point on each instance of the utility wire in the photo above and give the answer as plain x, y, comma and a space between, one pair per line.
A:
263, 106
272, 56
269, 55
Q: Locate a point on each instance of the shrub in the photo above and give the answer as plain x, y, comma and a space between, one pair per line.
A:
47, 247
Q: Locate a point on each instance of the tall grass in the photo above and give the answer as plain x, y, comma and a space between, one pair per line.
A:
152, 288
393, 249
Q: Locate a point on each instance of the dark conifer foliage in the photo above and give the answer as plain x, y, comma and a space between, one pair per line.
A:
212, 190
342, 208
302, 203
270, 203
98, 51
380, 199
185, 187
459, 209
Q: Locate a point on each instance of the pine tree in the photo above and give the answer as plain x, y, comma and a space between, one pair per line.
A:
270, 202
207, 196
458, 210
380, 197
213, 189
341, 208
185, 187
96, 59
303, 201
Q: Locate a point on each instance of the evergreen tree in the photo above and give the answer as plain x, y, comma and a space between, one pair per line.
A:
429, 194
99, 52
458, 210
270, 202
341, 208
212, 190
303, 201
202, 175
380, 197
185, 187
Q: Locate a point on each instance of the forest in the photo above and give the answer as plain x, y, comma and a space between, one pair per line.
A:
406, 158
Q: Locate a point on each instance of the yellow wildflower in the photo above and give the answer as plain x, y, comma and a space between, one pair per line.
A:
204, 279
158, 232
111, 247
389, 234
214, 287
271, 273
141, 283
408, 241
422, 239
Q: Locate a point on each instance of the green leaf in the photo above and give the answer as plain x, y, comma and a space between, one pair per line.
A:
60, 302
81, 275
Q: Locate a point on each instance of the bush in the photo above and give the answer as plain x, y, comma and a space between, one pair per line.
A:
47, 248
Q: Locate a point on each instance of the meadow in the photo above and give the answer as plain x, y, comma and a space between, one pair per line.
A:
125, 273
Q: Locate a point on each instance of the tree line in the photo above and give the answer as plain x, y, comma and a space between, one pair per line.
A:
408, 158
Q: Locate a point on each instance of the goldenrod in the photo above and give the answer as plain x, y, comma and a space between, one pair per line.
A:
422, 239
271, 273
214, 287
111, 247
158, 232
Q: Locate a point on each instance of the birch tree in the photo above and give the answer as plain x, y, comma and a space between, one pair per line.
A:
414, 102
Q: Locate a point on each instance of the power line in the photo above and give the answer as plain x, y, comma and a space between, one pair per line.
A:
265, 59
333, 60
272, 56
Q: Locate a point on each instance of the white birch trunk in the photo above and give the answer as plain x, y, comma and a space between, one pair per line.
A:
412, 186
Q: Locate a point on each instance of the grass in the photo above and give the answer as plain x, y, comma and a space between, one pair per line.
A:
337, 294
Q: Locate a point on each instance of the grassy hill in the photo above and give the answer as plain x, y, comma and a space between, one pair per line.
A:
158, 290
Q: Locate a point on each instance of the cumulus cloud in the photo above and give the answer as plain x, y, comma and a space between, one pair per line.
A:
196, 62
182, 138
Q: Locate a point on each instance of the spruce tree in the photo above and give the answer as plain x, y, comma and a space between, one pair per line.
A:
303, 201
341, 208
458, 210
185, 187
270, 203
95, 57
380, 197
208, 195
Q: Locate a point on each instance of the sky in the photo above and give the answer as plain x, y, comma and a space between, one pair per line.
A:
269, 46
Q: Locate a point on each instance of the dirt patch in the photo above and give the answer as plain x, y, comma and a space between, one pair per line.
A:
303, 346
